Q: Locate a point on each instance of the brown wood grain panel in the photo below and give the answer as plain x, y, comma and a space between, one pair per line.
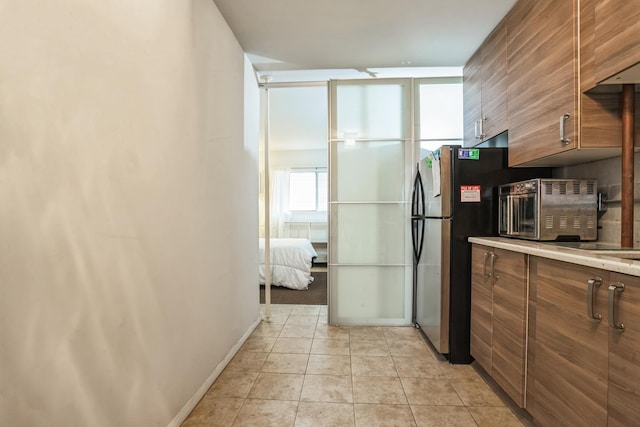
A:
559, 398
571, 361
624, 356
617, 36
472, 97
541, 78
498, 317
601, 120
509, 323
481, 308
587, 44
494, 81
531, 337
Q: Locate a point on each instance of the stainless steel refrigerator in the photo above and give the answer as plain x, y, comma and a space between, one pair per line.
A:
455, 196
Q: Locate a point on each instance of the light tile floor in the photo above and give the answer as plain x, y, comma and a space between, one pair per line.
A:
296, 370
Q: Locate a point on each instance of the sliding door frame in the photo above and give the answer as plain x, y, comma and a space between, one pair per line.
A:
267, 185
408, 139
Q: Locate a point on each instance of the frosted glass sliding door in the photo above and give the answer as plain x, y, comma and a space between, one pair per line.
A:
370, 172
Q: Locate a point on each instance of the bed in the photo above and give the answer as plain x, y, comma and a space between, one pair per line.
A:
291, 261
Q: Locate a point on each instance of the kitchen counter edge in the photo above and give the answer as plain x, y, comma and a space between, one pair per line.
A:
574, 256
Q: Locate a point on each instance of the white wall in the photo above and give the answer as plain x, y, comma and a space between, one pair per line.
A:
128, 197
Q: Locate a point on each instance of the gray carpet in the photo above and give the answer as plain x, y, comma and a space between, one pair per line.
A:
315, 295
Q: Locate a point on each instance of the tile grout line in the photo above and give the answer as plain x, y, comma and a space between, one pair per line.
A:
400, 380
389, 337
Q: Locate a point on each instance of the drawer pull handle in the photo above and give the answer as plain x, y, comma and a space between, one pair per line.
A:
592, 284
619, 287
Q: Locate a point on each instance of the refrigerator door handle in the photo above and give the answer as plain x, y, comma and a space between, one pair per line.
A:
417, 236
417, 215
417, 198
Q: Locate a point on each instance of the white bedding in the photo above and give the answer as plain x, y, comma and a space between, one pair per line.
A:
290, 262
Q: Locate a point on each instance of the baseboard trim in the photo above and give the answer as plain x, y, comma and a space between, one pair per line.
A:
191, 403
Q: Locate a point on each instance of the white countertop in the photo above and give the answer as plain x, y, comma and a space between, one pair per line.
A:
575, 256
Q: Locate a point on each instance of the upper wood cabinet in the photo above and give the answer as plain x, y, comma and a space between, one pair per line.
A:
484, 89
617, 36
551, 122
541, 76
472, 99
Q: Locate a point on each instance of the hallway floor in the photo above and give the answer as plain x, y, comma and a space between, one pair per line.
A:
297, 370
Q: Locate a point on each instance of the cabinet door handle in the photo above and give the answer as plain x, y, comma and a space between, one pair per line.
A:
493, 263
563, 119
484, 264
482, 134
612, 297
592, 284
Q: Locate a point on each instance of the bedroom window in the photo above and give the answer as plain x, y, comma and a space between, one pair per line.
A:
308, 190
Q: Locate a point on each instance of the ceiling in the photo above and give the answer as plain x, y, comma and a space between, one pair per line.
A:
280, 35
318, 40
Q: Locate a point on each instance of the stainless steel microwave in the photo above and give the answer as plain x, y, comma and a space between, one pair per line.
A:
549, 209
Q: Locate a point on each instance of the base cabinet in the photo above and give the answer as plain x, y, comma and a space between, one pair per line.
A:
569, 372
498, 316
582, 369
623, 407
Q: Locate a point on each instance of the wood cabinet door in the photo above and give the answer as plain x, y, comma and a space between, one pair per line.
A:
494, 81
541, 78
617, 36
472, 98
509, 323
624, 354
481, 306
571, 360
